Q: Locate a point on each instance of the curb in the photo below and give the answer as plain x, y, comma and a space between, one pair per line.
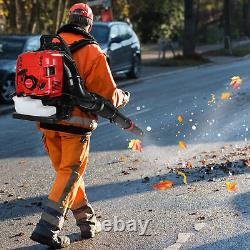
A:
7, 110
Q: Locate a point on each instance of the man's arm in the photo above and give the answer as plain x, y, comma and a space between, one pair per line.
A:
100, 81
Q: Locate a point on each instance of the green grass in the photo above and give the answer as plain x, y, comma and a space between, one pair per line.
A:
237, 51
178, 61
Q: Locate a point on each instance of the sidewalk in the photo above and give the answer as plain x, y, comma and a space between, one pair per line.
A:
150, 51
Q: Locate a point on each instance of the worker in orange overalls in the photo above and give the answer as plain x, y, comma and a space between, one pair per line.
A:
67, 143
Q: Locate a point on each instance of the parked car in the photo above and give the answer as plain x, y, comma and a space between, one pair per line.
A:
10, 48
121, 45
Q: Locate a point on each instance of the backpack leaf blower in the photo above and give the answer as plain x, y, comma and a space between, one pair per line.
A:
49, 86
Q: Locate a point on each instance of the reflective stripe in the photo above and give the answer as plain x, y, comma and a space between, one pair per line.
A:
54, 221
74, 177
82, 121
56, 206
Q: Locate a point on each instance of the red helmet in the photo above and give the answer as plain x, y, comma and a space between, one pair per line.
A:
85, 10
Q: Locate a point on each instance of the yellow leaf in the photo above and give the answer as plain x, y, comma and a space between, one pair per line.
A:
225, 96
135, 145
212, 100
184, 177
182, 145
123, 158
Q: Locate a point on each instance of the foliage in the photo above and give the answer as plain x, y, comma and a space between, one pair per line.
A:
151, 19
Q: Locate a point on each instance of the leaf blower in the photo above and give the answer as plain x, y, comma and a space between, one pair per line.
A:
49, 86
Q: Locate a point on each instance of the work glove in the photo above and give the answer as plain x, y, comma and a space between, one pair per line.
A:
125, 99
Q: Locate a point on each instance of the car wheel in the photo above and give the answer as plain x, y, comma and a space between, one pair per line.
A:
136, 68
6, 89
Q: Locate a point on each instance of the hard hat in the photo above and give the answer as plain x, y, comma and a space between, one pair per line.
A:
84, 10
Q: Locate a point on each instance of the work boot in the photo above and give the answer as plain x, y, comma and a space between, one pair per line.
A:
90, 230
86, 221
55, 242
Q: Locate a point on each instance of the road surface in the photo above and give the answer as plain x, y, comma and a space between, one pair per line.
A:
119, 181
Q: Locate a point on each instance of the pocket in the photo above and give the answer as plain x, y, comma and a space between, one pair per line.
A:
85, 147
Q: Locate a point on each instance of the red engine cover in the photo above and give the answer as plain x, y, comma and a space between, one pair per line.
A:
39, 73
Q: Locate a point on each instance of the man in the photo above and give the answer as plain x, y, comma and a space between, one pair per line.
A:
69, 151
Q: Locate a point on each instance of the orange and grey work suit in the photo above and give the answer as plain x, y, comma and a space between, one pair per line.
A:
69, 152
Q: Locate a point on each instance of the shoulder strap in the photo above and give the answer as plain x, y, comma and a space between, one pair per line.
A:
81, 43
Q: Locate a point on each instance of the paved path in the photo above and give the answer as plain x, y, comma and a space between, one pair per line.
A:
119, 181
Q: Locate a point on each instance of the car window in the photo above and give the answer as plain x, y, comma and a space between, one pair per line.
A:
32, 44
10, 48
100, 33
126, 32
114, 32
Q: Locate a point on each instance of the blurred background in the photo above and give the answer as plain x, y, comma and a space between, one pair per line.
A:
207, 21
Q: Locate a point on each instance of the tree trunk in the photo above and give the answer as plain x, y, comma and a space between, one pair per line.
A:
34, 17
227, 25
20, 16
246, 17
189, 29
60, 12
11, 18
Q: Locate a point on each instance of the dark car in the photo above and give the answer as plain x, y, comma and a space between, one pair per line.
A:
10, 48
121, 45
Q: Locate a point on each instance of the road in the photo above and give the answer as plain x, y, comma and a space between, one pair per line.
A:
119, 181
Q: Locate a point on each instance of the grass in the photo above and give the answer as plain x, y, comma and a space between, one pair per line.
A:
237, 51
178, 60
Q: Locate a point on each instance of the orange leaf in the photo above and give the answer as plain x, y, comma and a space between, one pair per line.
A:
236, 81
180, 118
182, 145
135, 145
188, 165
231, 186
247, 163
225, 96
163, 185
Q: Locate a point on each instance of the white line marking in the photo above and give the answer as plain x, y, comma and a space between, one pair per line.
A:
130, 115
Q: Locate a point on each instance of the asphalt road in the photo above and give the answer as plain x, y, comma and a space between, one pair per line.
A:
115, 178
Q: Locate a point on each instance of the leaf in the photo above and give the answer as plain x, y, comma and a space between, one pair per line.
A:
182, 145
135, 145
187, 164
247, 163
163, 185
212, 100
236, 81
231, 186
123, 158
184, 177
180, 118
225, 96
203, 161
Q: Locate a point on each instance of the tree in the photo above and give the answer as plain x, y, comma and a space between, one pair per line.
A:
227, 25
189, 28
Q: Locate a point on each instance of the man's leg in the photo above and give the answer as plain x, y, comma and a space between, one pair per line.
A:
84, 214
50, 224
